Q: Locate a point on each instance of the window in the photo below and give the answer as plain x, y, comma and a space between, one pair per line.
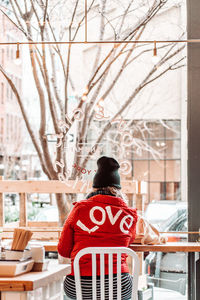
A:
16, 82
12, 54
11, 126
170, 190
7, 52
20, 84
2, 56
2, 19
16, 128
3, 23
153, 152
2, 93
160, 163
7, 92
7, 127
11, 92
1, 126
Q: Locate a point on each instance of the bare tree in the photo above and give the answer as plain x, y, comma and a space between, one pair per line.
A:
36, 19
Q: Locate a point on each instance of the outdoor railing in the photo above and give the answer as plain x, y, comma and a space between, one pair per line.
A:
49, 230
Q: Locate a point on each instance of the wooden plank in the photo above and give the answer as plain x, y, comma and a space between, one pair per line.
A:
36, 229
42, 224
23, 210
39, 236
51, 247
12, 286
53, 227
55, 186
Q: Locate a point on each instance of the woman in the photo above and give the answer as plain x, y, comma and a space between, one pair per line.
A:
103, 219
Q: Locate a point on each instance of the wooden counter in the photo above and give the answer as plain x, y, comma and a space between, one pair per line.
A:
44, 285
168, 247
191, 248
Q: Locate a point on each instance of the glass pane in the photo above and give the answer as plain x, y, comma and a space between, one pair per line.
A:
156, 130
62, 106
173, 129
170, 191
154, 191
173, 170
157, 149
173, 149
157, 170
141, 170
141, 129
140, 154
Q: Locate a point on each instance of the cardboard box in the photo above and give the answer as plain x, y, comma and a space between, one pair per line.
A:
17, 255
14, 268
39, 267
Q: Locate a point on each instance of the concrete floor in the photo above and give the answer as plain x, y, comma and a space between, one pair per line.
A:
163, 294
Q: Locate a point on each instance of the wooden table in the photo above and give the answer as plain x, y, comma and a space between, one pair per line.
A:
168, 247
44, 285
193, 250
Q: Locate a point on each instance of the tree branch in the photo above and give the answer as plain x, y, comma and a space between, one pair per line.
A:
43, 138
28, 126
131, 97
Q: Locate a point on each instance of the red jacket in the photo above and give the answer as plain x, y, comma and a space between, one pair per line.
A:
101, 220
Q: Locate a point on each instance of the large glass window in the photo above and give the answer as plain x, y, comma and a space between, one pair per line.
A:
121, 95
2, 93
160, 166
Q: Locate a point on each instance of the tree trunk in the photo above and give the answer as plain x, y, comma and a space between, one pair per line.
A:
63, 208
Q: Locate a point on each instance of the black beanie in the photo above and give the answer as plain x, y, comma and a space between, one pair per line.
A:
107, 173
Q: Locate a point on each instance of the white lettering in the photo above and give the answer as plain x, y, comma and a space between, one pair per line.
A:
93, 219
110, 215
123, 222
85, 228
125, 167
60, 164
64, 179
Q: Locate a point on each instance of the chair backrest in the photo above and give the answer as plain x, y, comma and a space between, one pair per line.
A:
110, 251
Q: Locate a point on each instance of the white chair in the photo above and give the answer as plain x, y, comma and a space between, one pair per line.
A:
110, 251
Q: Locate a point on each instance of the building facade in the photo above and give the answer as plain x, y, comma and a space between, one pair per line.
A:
11, 122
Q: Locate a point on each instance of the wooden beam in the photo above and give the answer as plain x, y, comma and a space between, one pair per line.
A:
43, 224
36, 229
23, 210
55, 186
